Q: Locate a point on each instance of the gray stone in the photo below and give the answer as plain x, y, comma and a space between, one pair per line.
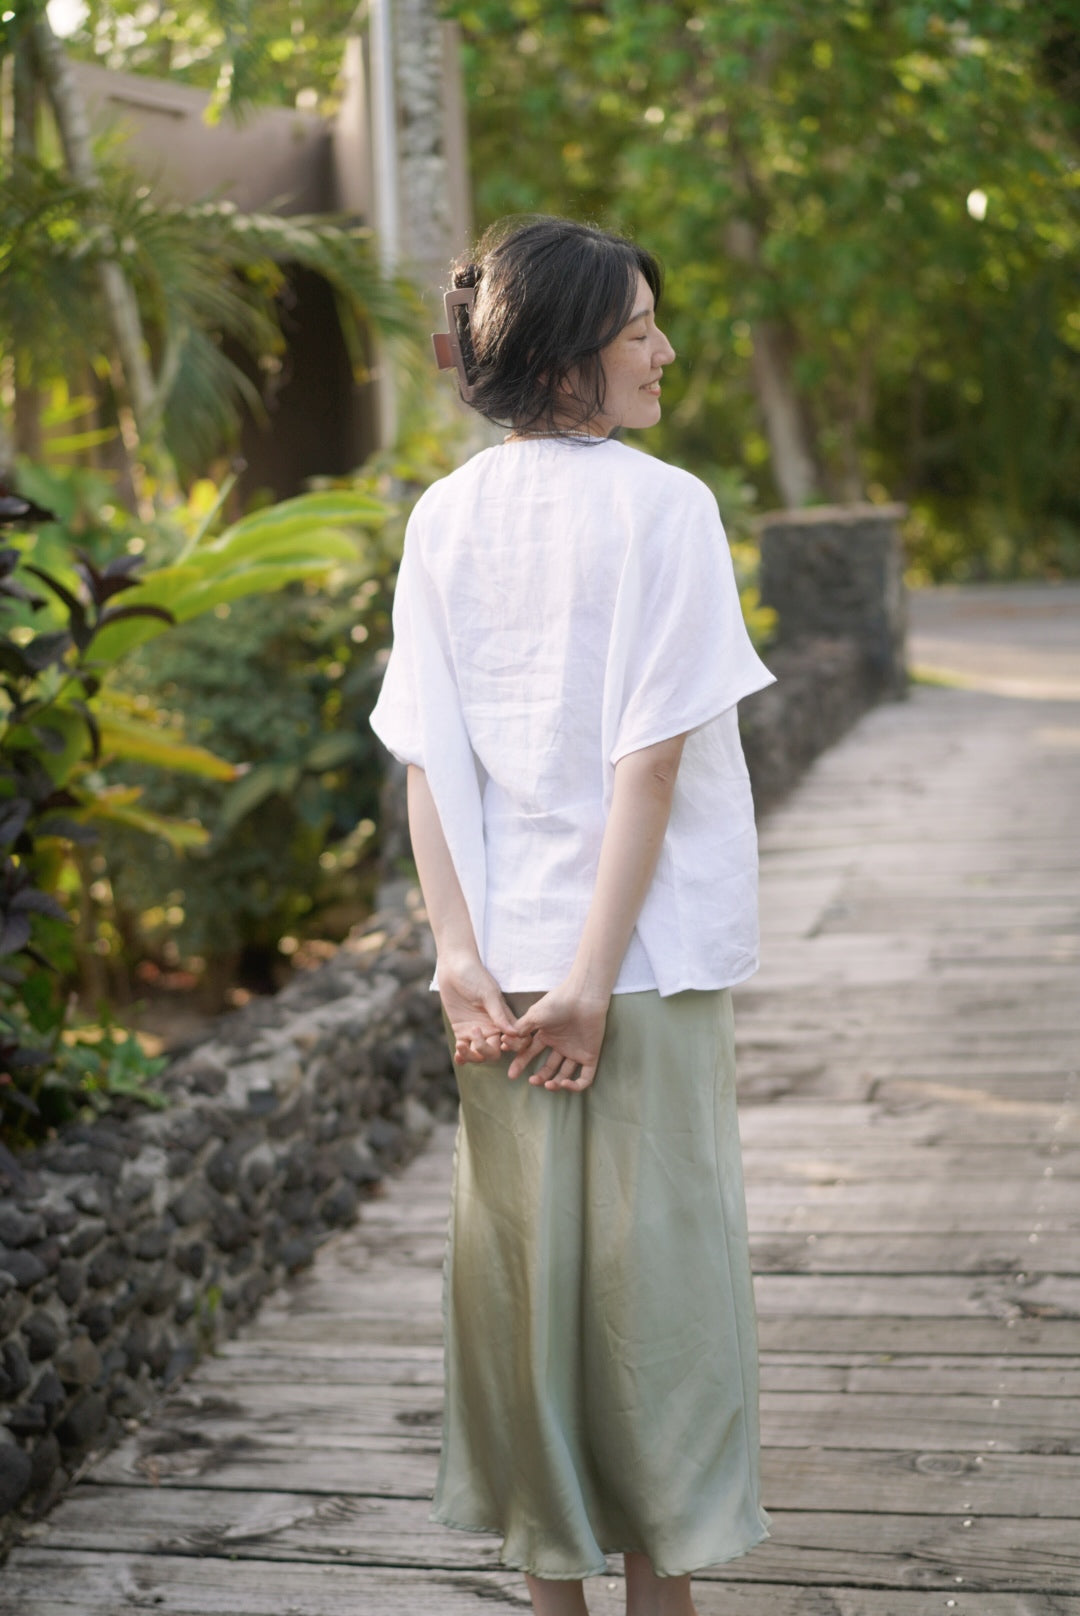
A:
223, 1168
42, 1335
418, 1119
299, 1207
49, 1393
14, 1369
70, 1282
19, 1228
297, 1253
203, 1074
107, 1267
78, 1363
385, 1138
180, 1361
178, 1163
358, 1163
92, 1199
259, 1167
135, 1189
231, 1229
97, 1320
60, 1218
128, 1398
27, 1419
137, 1345
15, 1472
89, 1159
48, 1253
24, 1268
12, 1308
83, 1421
88, 1235
164, 1290
341, 1206
189, 1130
44, 1463
192, 1205
192, 1259
153, 1241
299, 1163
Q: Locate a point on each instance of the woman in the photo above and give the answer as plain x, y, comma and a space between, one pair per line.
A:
568, 652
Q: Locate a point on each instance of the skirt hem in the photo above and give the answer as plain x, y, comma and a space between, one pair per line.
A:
601, 1569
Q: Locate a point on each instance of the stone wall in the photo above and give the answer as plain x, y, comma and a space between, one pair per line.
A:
130, 1245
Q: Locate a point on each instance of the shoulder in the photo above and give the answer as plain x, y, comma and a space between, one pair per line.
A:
458, 484
654, 478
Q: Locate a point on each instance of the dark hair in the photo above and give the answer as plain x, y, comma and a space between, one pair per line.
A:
550, 294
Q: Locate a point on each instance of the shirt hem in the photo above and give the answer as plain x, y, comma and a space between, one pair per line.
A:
682, 985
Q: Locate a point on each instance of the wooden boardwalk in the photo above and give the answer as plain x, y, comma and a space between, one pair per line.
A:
911, 1123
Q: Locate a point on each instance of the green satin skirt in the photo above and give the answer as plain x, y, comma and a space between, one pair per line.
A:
601, 1345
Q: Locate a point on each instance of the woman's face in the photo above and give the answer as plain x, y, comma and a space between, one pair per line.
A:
633, 364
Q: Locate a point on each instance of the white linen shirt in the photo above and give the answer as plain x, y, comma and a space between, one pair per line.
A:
560, 604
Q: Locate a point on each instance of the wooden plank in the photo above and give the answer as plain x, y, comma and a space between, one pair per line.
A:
387, 1423
80, 1584
955, 1254
879, 1549
316, 1363
908, 1480
787, 1333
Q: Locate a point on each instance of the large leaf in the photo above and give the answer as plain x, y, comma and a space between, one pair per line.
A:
122, 808
195, 592
140, 742
331, 506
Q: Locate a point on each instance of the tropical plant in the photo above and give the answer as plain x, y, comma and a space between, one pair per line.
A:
101, 278
64, 720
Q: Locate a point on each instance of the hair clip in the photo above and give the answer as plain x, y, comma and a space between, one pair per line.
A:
447, 344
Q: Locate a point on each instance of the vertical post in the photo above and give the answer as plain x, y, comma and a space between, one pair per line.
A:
837, 572
384, 141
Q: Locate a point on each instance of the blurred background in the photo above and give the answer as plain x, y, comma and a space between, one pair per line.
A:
224, 229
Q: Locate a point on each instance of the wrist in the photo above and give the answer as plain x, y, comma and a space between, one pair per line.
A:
590, 985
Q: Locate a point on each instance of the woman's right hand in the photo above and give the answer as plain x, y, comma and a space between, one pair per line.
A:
571, 1027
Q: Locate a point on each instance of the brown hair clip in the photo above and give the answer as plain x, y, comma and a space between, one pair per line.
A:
447, 344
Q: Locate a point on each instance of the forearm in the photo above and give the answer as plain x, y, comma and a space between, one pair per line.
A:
633, 836
448, 913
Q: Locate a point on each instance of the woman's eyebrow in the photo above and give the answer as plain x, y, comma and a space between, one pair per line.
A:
639, 314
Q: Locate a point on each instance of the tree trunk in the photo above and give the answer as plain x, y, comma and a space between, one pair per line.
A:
26, 415
794, 460
121, 306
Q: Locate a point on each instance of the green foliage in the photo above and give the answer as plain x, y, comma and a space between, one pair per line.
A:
203, 273
69, 729
823, 168
271, 52
283, 687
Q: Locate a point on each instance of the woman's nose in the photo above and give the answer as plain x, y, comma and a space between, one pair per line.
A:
665, 352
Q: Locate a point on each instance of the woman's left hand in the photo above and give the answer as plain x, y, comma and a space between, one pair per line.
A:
476, 1010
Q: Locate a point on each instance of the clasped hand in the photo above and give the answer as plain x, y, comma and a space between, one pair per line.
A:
565, 1023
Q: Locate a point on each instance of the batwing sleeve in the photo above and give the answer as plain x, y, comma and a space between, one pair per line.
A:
396, 716
419, 718
679, 654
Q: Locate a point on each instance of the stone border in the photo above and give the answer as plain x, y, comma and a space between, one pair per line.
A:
131, 1245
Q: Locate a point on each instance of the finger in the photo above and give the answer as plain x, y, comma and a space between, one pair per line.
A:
499, 1011
521, 1060
546, 1072
583, 1080
563, 1078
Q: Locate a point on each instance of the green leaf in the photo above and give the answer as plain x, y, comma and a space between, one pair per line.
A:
146, 743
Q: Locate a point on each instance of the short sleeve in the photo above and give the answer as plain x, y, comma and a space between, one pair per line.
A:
396, 717
680, 654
